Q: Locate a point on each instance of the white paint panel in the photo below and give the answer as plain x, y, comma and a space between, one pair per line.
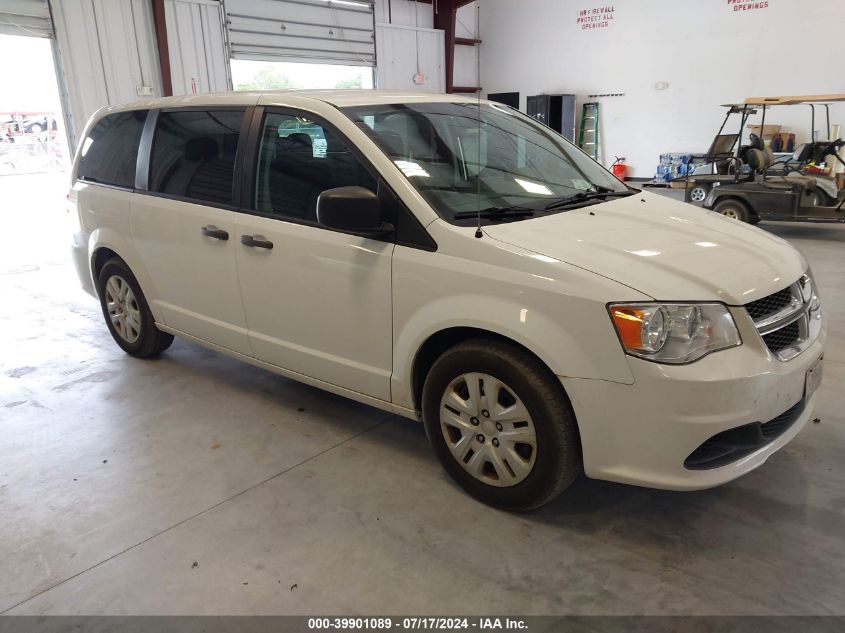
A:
106, 55
302, 30
196, 39
397, 52
25, 17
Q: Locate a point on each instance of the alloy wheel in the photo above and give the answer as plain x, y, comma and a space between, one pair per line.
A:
123, 309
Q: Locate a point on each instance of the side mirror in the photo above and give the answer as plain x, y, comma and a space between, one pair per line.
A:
352, 209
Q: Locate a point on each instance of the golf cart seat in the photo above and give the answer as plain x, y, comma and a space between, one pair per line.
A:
759, 159
755, 143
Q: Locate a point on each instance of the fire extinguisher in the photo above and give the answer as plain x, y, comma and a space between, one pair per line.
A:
619, 168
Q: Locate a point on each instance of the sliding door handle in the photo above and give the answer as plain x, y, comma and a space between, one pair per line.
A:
256, 241
214, 232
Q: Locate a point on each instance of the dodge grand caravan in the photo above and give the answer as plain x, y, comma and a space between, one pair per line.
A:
454, 261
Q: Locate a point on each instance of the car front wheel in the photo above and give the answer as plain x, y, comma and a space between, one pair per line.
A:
501, 425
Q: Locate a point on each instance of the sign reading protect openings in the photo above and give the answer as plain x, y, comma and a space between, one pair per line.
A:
743, 5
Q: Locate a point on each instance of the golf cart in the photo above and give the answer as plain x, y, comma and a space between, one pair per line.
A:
749, 183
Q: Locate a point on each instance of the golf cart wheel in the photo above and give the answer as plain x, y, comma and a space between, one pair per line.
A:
699, 193
735, 209
821, 199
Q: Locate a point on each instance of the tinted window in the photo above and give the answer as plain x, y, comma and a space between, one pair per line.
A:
110, 150
194, 154
298, 159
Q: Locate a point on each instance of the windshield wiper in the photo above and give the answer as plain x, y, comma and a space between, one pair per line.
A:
496, 213
585, 196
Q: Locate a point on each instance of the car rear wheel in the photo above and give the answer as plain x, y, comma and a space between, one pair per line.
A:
127, 313
734, 209
501, 425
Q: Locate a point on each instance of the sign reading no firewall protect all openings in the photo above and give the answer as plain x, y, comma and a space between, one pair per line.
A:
596, 17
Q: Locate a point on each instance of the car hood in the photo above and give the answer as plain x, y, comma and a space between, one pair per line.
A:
663, 248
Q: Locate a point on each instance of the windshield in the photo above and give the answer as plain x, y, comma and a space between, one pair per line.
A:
467, 157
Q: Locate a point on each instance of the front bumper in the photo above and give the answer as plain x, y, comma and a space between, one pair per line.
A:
642, 433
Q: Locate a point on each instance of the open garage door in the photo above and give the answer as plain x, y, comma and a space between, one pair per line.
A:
25, 17
315, 31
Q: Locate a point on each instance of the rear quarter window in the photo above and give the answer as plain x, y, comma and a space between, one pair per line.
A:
194, 153
110, 150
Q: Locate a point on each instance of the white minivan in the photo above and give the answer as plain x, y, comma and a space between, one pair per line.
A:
455, 261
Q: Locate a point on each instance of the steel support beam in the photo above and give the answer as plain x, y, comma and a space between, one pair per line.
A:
160, 24
445, 16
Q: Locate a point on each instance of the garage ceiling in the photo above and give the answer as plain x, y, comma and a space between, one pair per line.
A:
25, 17
326, 31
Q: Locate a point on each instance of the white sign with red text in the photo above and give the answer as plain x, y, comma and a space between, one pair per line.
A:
596, 17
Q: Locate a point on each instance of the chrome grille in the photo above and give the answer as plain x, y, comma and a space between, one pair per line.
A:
783, 338
788, 320
767, 306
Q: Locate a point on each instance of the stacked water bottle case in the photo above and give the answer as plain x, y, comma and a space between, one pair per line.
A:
674, 165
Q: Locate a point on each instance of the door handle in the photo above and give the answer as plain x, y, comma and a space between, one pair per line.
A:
257, 241
214, 232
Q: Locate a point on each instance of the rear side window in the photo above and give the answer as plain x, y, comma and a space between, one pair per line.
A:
194, 154
110, 150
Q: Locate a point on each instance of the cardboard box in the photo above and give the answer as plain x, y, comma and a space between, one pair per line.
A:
768, 130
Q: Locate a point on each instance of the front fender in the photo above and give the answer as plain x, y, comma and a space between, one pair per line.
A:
589, 350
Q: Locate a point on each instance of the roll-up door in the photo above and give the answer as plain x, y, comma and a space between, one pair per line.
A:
324, 31
25, 17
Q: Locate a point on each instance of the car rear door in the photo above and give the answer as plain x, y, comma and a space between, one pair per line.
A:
318, 301
183, 225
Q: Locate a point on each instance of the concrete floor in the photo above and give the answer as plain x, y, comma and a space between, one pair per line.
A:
194, 484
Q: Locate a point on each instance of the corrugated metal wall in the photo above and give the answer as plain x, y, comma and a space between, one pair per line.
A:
405, 52
106, 55
196, 39
25, 17
106, 51
302, 31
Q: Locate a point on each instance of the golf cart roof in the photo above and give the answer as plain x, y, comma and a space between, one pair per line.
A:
737, 107
794, 100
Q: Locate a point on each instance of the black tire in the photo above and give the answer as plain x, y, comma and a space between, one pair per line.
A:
733, 208
150, 340
821, 199
557, 461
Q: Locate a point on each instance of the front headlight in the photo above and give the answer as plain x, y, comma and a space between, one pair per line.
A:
674, 333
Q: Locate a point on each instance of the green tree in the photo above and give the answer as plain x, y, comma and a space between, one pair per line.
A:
268, 78
353, 82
